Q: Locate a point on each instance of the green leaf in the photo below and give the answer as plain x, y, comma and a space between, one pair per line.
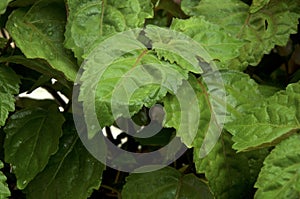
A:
255, 162
257, 5
26, 102
191, 114
233, 92
164, 183
135, 80
21, 3
39, 65
162, 138
71, 173
38, 32
280, 176
93, 20
227, 172
130, 77
4, 190
242, 94
3, 42
269, 122
261, 31
9, 85
220, 45
3, 5
171, 7
267, 90
177, 48
32, 136
220, 12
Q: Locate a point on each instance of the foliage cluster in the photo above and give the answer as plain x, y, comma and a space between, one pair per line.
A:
254, 44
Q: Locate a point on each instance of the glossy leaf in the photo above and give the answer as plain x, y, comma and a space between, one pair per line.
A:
260, 31
165, 183
280, 175
9, 82
4, 190
71, 173
93, 20
268, 123
39, 65
3, 5
220, 45
42, 28
32, 136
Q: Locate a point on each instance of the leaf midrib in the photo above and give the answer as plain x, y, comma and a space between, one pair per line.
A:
61, 163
